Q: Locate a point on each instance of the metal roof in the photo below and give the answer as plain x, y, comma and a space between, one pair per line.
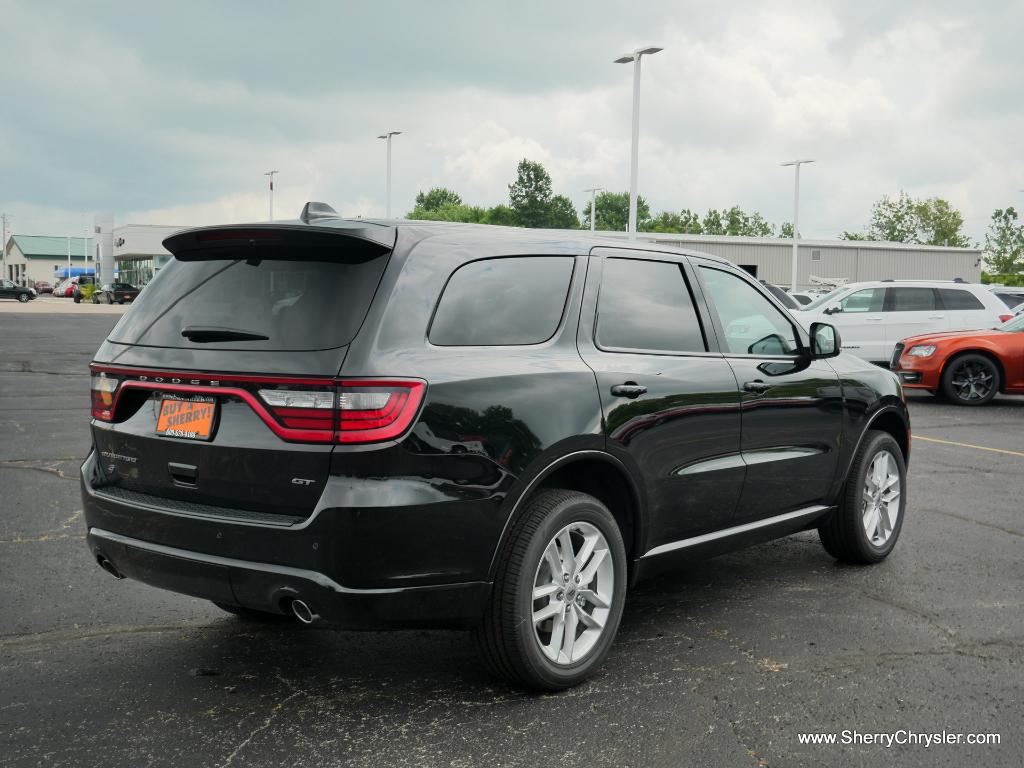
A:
47, 247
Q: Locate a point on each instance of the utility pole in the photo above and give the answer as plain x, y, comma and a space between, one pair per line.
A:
387, 137
271, 175
593, 201
634, 157
4, 218
796, 216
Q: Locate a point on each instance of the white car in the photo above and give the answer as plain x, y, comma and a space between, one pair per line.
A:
873, 316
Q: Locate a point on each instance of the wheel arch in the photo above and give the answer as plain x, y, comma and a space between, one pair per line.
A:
890, 419
593, 472
984, 352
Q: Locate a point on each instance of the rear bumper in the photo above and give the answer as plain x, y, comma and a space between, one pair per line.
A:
262, 566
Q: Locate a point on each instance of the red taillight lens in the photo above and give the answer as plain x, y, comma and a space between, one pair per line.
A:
1004, 318
369, 411
356, 412
104, 390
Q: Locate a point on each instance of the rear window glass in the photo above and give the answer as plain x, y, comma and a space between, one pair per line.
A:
301, 303
954, 298
913, 299
507, 301
645, 306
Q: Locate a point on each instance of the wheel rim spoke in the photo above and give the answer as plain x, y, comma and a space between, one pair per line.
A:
881, 498
572, 594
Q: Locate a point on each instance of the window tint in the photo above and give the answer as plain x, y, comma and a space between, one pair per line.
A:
503, 301
956, 298
912, 299
299, 303
646, 306
868, 300
1011, 299
753, 326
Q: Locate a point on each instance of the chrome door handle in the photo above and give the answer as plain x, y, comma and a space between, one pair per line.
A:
756, 386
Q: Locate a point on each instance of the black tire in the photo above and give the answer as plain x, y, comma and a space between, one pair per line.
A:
23, 298
78, 298
250, 614
970, 379
505, 638
843, 535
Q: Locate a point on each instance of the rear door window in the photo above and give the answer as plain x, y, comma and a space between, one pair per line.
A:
912, 299
645, 306
500, 302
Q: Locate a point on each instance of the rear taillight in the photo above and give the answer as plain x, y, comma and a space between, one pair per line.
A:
1004, 318
104, 388
296, 409
355, 412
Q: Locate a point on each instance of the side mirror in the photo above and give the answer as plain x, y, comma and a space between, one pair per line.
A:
825, 341
831, 309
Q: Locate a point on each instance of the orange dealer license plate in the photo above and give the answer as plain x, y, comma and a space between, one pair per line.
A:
190, 418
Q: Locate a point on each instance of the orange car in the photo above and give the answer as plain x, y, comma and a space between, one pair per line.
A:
968, 367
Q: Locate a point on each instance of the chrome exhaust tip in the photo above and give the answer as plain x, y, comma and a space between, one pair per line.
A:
303, 612
108, 566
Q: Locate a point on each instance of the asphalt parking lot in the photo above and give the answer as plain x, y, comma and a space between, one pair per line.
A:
721, 664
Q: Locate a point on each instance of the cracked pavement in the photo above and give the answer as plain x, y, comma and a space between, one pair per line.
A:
722, 663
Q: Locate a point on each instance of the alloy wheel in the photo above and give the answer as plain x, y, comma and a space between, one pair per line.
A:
572, 593
881, 498
972, 381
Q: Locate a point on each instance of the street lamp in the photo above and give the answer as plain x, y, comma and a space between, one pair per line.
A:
593, 199
635, 57
796, 214
271, 175
387, 137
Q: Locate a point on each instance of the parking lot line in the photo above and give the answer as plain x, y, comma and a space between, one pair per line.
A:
969, 445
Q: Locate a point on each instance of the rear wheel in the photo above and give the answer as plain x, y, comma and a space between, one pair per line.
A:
867, 523
250, 614
970, 380
559, 593
23, 297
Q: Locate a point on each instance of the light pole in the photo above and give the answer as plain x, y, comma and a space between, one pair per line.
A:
271, 175
3, 256
387, 137
796, 215
635, 57
593, 201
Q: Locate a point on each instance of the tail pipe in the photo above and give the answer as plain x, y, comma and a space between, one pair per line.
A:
109, 567
303, 612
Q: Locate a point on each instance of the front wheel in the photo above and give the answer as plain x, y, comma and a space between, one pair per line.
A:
559, 593
867, 523
970, 380
23, 298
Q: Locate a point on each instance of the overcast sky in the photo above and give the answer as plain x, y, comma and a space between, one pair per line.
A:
170, 113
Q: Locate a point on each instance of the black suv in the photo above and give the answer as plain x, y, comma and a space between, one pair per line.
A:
424, 424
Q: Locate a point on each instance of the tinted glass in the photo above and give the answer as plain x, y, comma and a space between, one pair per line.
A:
645, 306
956, 298
752, 324
787, 301
297, 303
868, 300
503, 301
912, 299
1011, 299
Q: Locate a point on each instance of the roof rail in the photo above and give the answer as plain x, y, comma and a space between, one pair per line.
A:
312, 211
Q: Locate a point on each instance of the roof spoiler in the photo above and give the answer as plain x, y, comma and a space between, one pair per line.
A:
312, 211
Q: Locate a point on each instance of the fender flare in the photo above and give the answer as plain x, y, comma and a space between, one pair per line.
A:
547, 471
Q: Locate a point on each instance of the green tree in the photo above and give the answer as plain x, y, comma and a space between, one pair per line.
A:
689, 222
930, 221
611, 210
845, 236
1004, 242
758, 226
501, 215
666, 221
562, 213
713, 223
530, 194
471, 214
786, 229
437, 198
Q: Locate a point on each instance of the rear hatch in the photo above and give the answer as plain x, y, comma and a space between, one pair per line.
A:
217, 391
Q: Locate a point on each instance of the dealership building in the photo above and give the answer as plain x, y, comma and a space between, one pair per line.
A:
771, 258
138, 254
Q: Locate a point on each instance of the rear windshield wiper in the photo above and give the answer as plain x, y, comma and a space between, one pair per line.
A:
203, 334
